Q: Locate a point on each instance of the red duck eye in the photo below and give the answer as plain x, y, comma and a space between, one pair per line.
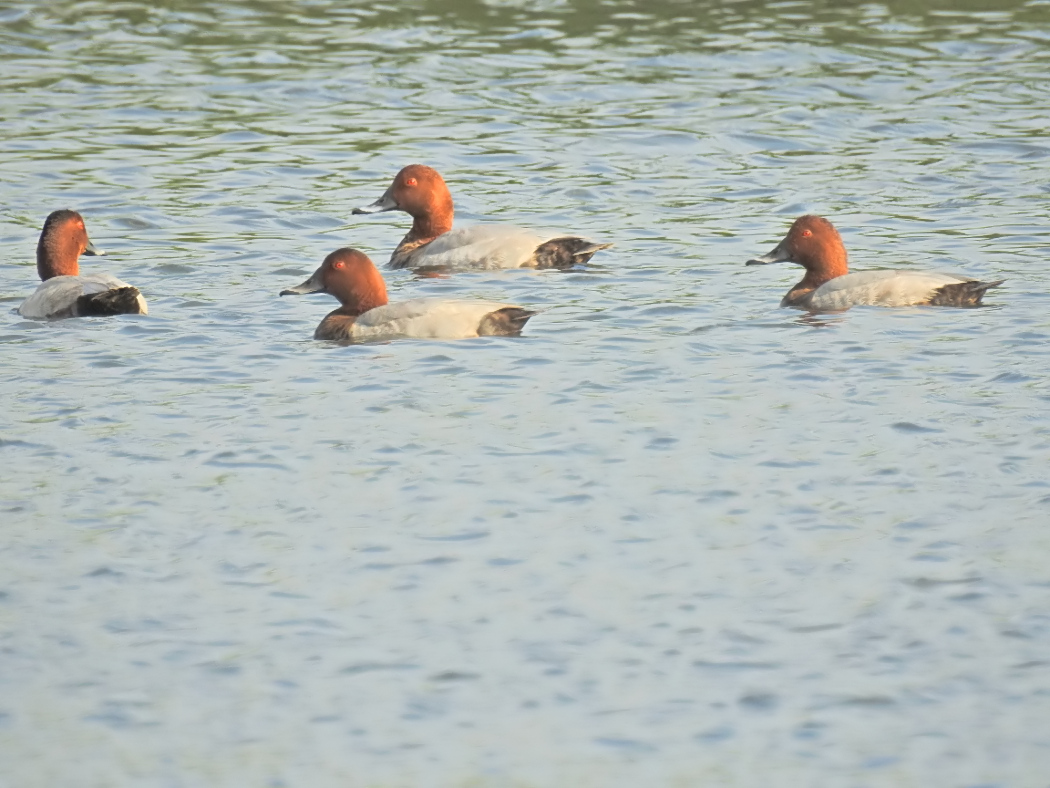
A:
338, 264
807, 233
410, 181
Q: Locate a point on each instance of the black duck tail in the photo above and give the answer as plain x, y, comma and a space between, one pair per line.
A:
120, 301
566, 252
506, 322
962, 294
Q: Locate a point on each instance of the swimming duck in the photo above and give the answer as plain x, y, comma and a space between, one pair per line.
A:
420, 191
366, 315
815, 244
64, 292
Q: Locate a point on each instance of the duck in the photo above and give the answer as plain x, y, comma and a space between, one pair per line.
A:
433, 243
64, 292
828, 286
365, 314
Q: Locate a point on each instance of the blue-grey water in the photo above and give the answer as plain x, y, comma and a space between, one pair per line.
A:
672, 536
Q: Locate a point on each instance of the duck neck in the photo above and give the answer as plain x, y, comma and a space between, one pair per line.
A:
434, 220
829, 264
361, 305
366, 295
57, 256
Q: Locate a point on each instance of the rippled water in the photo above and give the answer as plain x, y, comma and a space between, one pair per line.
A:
674, 535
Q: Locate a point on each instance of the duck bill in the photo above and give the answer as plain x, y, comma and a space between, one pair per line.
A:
312, 285
90, 249
384, 203
778, 255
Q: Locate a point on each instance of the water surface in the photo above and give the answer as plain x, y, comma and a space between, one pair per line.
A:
674, 535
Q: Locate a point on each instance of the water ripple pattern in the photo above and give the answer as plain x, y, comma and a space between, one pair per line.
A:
672, 536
